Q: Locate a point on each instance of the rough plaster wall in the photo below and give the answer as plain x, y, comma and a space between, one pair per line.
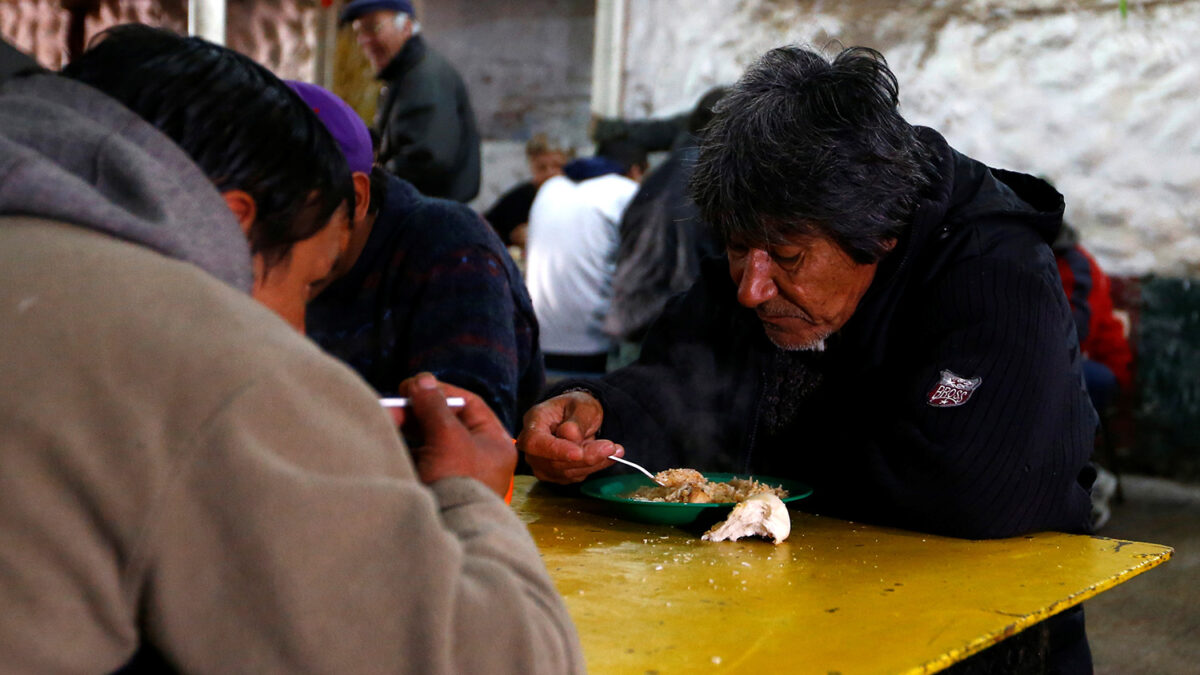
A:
527, 65
1101, 106
39, 27
280, 34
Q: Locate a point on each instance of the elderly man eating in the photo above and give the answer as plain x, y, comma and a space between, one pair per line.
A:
888, 327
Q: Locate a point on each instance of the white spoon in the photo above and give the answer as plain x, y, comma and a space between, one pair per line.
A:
402, 402
639, 467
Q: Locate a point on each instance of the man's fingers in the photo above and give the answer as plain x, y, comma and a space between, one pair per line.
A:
429, 407
476, 414
546, 416
542, 444
564, 472
582, 411
397, 416
570, 430
595, 456
598, 449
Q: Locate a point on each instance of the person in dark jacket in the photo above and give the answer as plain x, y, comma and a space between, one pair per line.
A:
424, 286
509, 216
1106, 352
894, 333
424, 118
662, 237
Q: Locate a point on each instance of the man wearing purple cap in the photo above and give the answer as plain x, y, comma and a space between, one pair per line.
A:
424, 117
425, 285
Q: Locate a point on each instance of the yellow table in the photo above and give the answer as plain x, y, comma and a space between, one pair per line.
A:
835, 597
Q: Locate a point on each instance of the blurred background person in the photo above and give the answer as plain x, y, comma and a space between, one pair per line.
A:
653, 134
424, 286
509, 216
662, 239
424, 118
1107, 355
570, 254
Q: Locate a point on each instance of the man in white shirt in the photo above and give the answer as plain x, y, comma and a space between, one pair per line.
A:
571, 253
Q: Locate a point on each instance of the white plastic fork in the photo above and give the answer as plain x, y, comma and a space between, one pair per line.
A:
402, 402
639, 467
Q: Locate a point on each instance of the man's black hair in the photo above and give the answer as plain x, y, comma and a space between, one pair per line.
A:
243, 126
379, 189
702, 114
624, 152
804, 145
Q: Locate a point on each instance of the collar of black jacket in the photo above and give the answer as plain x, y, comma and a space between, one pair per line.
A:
928, 216
409, 56
963, 191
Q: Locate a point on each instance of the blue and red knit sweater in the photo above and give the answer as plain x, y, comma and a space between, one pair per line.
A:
434, 290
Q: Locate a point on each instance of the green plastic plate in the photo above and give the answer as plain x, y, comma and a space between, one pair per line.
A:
611, 488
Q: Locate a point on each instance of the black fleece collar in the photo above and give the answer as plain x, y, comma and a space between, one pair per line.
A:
405, 60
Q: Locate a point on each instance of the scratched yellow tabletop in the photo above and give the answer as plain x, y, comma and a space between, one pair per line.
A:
835, 597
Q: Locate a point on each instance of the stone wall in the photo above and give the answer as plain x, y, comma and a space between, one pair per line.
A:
527, 63
528, 67
280, 34
39, 27
1099, 104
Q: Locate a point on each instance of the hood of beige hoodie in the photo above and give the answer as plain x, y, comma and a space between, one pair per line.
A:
69, 153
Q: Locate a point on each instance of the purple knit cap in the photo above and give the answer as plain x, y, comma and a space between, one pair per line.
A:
346, 127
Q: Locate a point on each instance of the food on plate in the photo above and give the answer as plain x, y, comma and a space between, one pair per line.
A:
689, 486
762, 515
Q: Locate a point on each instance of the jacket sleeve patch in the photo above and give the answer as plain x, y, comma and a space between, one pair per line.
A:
952, 390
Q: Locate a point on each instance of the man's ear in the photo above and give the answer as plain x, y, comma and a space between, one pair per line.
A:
406, 30
243, 207
362, 197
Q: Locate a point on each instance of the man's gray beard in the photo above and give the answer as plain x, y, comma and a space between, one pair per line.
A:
817, 345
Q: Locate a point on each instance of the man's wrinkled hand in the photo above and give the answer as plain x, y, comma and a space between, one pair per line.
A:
559, 438
445, 443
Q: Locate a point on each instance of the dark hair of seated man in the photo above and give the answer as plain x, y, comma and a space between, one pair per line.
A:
242, 125
854, 171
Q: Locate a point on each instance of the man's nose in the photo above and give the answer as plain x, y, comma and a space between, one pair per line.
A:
756, 285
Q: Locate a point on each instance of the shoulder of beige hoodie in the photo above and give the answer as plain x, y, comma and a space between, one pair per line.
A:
180, 468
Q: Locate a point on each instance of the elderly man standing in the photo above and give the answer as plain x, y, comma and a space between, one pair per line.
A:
888, 326
424, 117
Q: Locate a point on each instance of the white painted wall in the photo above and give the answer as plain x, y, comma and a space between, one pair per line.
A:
528, 67
1102, 106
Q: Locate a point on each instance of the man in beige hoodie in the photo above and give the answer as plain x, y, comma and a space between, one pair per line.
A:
187, 482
